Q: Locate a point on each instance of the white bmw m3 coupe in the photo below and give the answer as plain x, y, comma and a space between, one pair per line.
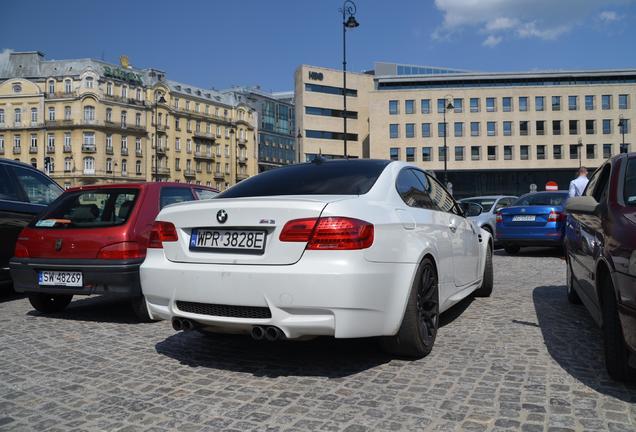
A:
344, 248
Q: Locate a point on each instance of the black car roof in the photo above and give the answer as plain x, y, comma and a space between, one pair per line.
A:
16, 163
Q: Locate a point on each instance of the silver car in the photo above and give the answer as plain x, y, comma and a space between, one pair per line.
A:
490, 204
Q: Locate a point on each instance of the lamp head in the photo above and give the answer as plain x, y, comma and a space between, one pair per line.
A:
351, 22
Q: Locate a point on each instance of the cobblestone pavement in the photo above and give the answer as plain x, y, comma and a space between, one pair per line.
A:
523, 359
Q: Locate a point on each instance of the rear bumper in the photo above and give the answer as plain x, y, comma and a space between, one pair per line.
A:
99, 276
325, 293
531, 236
626, 287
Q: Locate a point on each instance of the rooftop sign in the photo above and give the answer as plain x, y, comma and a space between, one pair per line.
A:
122, 75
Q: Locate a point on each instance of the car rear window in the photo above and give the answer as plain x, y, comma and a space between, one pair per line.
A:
343, 177
173, 195
90, 209
547, 199
485, 203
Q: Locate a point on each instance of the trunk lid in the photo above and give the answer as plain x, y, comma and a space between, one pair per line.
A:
528, 216
256, 214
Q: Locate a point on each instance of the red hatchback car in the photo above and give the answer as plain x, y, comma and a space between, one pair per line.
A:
92, 240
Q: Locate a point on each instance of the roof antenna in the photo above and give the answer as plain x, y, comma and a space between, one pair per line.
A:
318, 159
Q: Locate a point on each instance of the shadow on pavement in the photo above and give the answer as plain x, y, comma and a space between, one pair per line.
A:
545, 252
95, 309
7, 294
575, 342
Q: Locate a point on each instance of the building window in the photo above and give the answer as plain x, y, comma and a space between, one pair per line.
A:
138, 167
573, 103
624, 148
410, 130
556, 103
491, 127
124, 143
607, 126
524, 152
606, 102
34, 142
590, 127
393, 107
475, 153
426, 154
89, 82
459, 129
523, 103
474, 104
394, 130
574, 151
49, 165
67, 113
539, 103
409, 106
589, 102
441, 153
67, 141
51, 113
623, 126
459, 153
507, 128
540, 125
124, 167
523, 127
89, 165
426, 130
109, 165
68, 164
51, 86
109, 88
441, 129
109, 115
394, 153
573, 127
17, 113
124, 93
138, 119
89, 113
590, 151
556, 127
1, 143
607, 151
1, 116
458, 105
177, 144
17, 142
540, 152
138, 145
50, 142
109, 142
89, 139
67, 86
474, 128
441, 105
507, 152
123, 117
506, 103
138, 94
410, 154
623, 101
492, 152
491, 105
425, 106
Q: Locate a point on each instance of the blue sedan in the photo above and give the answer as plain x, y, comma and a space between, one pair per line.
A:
535, 219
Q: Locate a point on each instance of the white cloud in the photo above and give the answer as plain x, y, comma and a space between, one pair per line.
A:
499, 19
609, 16
492, 41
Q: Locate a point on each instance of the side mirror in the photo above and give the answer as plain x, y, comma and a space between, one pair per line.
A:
581, 204
471, 209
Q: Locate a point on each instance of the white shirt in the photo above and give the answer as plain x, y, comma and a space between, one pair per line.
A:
577, 186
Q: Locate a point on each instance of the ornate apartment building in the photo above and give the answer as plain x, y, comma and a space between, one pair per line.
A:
87, 121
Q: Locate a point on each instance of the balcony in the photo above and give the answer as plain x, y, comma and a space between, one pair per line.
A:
33, 150
203, 155
109, 150
89, 148
161, 149
1, 150
189, 172
50, 149
124, 151
61, 95
218, 175
160, 127
138, 152
204, 135
242, 142
67, 149
241, 176
124, 100
163, 171
242, 160
17, 150
21, 125
52, 124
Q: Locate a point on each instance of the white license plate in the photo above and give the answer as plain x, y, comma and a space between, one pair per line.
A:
241, 241
60, 278
523, 218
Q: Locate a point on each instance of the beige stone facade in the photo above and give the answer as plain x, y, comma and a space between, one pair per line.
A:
86, 121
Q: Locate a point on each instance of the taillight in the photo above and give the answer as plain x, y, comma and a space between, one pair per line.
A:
330, 233
499, 218
122, 251
21, 251
162, 232
556, 216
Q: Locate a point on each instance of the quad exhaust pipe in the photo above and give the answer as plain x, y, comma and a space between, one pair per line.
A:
269, 333
183, 324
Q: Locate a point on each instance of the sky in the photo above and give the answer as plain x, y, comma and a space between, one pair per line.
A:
219, 44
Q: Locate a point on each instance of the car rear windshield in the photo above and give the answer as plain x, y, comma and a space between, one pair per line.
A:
343, 177
485, 203
90, 209
542, 198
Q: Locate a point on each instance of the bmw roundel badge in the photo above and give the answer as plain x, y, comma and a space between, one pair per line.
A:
221, 216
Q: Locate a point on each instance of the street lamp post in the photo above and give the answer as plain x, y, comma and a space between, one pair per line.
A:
621, 125
579, 146
298, 150
233, 133
158, 100
447, 107
348, 11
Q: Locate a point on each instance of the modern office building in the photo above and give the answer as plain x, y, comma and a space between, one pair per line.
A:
277, 132
87, 121
505, 132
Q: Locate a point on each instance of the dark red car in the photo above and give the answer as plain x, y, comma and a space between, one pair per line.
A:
92, 240
600, 241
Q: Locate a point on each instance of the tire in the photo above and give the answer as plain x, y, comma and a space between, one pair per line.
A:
512, 249
485, 290
573, 296
616, 352
141, 309
50, 303
417, 333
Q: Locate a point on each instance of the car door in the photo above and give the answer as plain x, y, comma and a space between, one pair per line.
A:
589, 232
462, 232
421, 217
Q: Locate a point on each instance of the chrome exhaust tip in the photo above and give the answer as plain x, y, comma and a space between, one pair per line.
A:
177, 324
273, 333
188, 325
257, 333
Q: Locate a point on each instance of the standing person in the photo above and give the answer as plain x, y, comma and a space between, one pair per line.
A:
577, 186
